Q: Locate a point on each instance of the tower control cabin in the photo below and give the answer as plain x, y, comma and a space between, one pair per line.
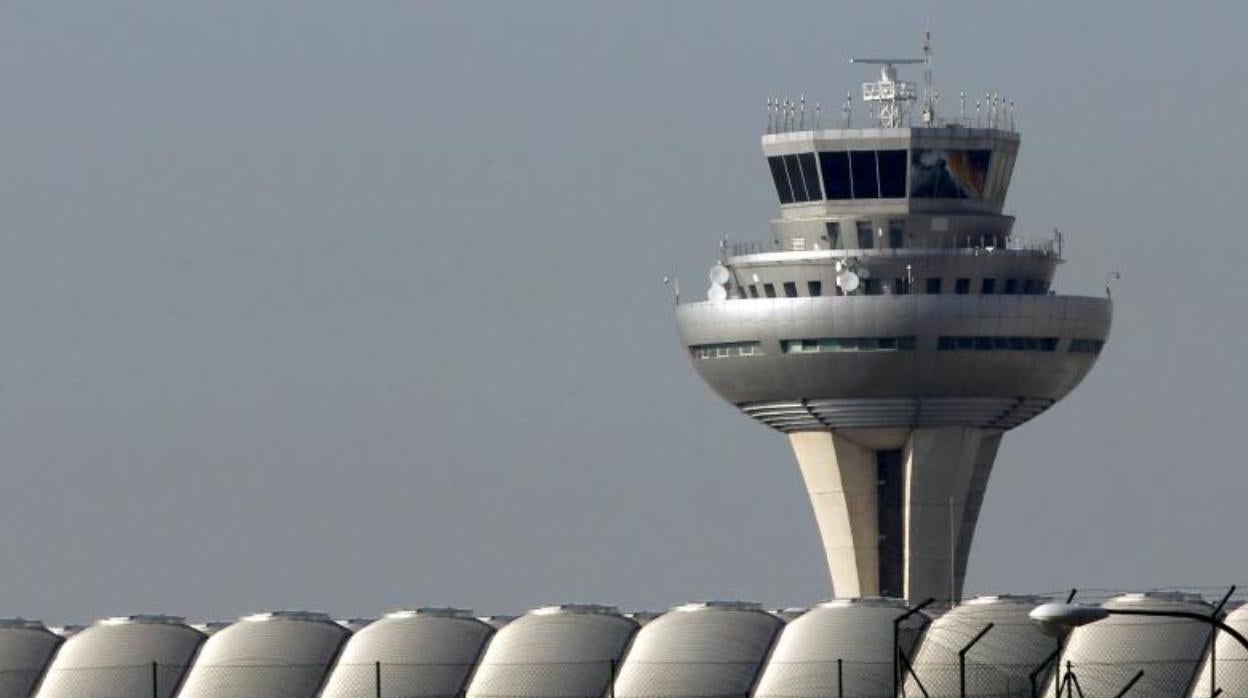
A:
894, 327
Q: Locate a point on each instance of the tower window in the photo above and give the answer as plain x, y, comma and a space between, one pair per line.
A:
901, 286
781, 179
753, 291
872, 287
896, 234
933, 286
962, 287
866, 237
866, 178
892, 174
988, 287
835, 170
810, 174
790, 289
1011, 286
834, 235
815, 288
795, 178
769, 290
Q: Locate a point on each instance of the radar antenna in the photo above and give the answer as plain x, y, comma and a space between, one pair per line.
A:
895, 95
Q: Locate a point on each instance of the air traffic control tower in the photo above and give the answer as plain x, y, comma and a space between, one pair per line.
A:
894, 327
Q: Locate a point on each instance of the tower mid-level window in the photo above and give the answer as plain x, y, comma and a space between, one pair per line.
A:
962, 287
769, 290
933, 286
790, 289
814, 288
726, 350
1086, 346
987, 343
821, 345
866, 236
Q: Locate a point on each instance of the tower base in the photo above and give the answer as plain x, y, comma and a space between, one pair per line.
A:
897, 508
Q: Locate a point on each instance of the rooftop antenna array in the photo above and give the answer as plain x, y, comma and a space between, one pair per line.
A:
893, 95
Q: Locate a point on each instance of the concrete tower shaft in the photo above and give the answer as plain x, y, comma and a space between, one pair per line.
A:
893, 327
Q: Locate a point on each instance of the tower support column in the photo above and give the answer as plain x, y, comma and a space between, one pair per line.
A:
841, 480
876, 515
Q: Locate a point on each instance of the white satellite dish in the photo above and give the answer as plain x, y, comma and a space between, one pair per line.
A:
863, 272
840, 267
719, 274
716, 293
848, 281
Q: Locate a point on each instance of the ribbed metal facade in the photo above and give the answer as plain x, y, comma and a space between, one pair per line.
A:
275, 655
122, 658
26, 648
1000, 663
845, 644
1105, 655
424, 653
703, 649
556, 652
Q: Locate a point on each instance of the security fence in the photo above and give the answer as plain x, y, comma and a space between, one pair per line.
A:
814, 679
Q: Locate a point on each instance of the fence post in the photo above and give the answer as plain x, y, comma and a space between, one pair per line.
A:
377, 677
155, 680
840, 680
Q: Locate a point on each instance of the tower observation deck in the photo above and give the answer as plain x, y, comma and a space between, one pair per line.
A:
893, 327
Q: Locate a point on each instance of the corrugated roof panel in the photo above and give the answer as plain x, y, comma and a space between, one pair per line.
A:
276, 655
114, 659
707, 650
422, 654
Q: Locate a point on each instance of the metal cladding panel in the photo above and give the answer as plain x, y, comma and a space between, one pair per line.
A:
999, 664
561, 654
1105, 655
25, 650
699, 650
266, 655
857, 632
1232, 669
114, 659
420, 655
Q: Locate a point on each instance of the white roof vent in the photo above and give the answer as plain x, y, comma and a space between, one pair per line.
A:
719, 605
145, 618
575, 608
311, 616
435, 612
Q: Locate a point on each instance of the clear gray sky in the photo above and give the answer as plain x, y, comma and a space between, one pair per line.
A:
357, 305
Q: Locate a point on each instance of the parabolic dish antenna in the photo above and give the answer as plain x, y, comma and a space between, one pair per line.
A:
848, 281
716, 293
719, 274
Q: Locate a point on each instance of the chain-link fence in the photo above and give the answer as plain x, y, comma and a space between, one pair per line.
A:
807, 679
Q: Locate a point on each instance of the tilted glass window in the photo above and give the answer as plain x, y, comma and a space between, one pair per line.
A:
769, 290
726, 350
835, 170
810, 175
790, 289
892, 165
962, 287
795, 177
988, 287
933, 287
1011, 286
949, 174
866, 177
781, 178
814, 288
